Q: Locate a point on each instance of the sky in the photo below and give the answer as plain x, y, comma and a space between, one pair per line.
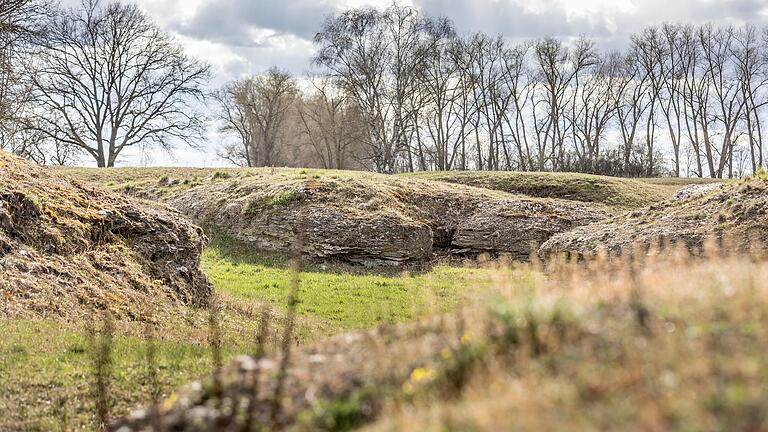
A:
241, 37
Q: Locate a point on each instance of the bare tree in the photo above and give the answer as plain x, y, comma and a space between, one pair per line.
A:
21, 25
647, 48
332, 125
631, 103
255, 110
377, 58
235, 120
752, 69
559, 67
445, 114
728, 101
593, 107
518, 79
110, 79
267, 105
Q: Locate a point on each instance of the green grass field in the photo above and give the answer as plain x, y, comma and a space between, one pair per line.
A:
47, 379
46, 367
341, 298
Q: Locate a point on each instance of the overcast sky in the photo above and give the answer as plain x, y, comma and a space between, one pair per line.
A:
240, 37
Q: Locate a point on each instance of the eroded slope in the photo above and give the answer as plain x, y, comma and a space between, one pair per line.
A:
736, 214
67, 249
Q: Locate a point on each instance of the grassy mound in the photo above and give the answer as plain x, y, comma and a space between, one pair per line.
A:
602, 346
157, 184
618, 193
359, 217
378, 219
735, 215
67, 250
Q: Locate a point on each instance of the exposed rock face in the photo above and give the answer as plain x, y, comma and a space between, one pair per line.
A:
375, 219
517, 227
382, 238
737, 214
66, 249
695, 190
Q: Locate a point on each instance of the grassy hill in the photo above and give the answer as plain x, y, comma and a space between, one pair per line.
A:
618, 193
733, 215
354, 216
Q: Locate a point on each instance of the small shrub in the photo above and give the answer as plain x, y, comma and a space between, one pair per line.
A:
761, 173
345, 413
284, 198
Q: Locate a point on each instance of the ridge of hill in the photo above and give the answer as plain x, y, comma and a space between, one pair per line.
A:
614, 192
355, 216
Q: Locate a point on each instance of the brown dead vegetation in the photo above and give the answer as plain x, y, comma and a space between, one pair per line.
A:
67, 249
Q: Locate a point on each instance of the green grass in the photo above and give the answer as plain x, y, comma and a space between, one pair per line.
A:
46, 369
46, 378
341, 297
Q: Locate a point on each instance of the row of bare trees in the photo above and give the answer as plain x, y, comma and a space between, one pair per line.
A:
393, 91
274, 123
682, 99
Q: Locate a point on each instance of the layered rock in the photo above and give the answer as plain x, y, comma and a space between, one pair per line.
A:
376, 219
517, 227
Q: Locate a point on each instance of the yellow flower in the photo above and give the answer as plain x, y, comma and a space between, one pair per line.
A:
466, 338
168, 403
422, 374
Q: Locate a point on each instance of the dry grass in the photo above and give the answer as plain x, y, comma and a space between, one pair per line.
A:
67, 249
620, 193
660, 342
735, 214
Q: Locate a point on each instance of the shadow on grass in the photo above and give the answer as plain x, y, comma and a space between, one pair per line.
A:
240, 252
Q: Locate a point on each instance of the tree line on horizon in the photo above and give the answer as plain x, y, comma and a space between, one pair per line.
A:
391, 90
